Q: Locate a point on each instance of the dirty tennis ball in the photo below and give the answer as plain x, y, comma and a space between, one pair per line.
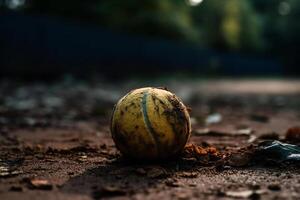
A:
149, 124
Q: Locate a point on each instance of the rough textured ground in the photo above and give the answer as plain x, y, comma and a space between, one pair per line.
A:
55, 142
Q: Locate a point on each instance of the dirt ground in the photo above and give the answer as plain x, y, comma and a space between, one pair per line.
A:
55, 142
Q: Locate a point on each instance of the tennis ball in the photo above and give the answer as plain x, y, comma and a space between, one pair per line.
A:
150, 123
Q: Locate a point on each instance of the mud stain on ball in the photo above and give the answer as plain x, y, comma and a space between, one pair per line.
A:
150, 123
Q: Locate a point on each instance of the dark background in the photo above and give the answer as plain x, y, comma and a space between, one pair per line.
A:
47, 39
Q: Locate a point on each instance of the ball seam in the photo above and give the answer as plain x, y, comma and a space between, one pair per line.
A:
148, 125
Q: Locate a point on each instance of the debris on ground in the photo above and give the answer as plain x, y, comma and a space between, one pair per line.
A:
204, 155
277, 152
58, 135
9, 168
188, 174
265, 152
6, 172
213, 118
200, 132
244, 131
192, 149
39, 184
293, 135
252, 139
241, 157
252, 194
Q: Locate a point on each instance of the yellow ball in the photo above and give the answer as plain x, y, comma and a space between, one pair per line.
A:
150, 123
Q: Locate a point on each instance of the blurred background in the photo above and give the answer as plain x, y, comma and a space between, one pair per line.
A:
124, 39
72, 60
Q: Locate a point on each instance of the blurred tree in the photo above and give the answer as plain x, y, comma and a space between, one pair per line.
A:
289, 42
261, 26
281, 30
230, 24
68, 8
271, 22
167, 18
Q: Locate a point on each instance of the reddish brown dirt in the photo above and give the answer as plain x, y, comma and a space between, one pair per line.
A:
75, 158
